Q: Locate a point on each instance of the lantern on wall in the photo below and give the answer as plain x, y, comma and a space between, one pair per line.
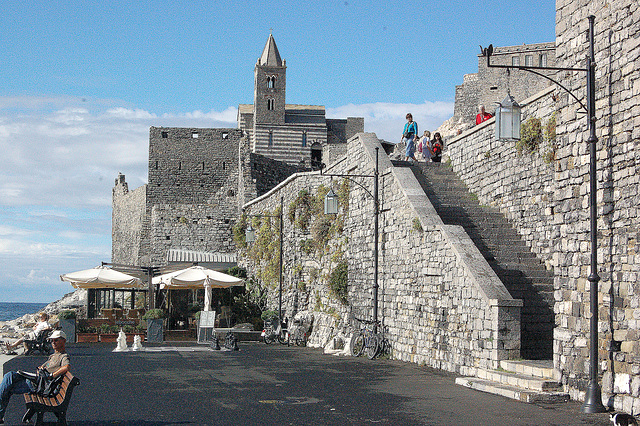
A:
508, 119
250, 234
331, 203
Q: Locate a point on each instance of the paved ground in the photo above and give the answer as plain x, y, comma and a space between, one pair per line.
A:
263, 385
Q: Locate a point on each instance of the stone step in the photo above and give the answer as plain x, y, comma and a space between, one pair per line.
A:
523, 381
512, 392
543, 369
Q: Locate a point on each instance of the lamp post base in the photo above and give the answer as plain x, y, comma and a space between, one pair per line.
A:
593, 400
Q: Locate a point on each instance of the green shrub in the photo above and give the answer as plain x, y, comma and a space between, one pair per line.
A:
269, 315
338, 282
153, 314
67, 314
530, 135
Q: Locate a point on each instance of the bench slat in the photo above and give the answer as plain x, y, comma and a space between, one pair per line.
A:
57, 403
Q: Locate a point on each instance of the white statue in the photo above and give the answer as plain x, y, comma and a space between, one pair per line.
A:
137, 343
122, 342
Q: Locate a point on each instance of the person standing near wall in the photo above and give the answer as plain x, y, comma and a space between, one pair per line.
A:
482, 115
409, 137
436, 147
425, 142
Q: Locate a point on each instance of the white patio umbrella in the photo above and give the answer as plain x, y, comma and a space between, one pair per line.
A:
197, 277
102, 277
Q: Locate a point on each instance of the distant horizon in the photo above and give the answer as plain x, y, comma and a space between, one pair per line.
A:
87, 83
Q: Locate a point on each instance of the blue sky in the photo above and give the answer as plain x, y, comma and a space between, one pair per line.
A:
83, 81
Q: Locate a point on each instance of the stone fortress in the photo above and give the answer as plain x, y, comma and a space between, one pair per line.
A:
440, 302
489, 86
199, 178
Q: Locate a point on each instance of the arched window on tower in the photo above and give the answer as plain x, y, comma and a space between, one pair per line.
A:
271, 81
270, 138
270, 104
304, 138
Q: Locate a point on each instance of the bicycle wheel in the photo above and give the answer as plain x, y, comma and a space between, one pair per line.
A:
357, 344
283, 337
269, 338
373, 346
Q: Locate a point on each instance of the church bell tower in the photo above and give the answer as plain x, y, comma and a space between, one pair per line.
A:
270, 84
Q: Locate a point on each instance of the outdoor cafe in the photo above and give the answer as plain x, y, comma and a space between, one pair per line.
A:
121, 299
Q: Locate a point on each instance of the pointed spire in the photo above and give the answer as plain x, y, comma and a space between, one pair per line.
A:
270, 55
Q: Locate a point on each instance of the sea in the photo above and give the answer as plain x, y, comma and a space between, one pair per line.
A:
11, 311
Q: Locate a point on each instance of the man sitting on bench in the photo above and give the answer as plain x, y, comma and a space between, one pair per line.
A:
40, 326
15, 383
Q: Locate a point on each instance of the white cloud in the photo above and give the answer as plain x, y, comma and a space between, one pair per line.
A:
386, 120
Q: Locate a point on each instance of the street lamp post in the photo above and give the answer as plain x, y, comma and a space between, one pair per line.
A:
331, 207
593, 398
250, 237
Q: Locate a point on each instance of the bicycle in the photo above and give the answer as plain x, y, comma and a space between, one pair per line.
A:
366, 340
275, 330
299, 332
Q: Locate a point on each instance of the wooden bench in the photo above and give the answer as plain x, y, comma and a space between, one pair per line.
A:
56, 404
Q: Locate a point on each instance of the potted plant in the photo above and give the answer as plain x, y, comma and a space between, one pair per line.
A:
108, 333
86, 334
155, 325
67, 322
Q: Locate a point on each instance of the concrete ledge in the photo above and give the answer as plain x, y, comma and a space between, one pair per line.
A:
512, 392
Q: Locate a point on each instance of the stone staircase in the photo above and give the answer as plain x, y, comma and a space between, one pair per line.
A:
526, 381
522, 273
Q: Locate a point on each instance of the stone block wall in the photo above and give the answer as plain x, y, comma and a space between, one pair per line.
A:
489, 86
617, 57
127, 220
549, 203
439, 300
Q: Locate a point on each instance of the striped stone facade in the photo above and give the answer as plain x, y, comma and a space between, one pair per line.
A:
295, 134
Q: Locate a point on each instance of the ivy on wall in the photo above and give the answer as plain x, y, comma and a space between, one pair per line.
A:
306, 214
532, 135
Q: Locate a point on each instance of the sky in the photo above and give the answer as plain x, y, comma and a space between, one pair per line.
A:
82, 82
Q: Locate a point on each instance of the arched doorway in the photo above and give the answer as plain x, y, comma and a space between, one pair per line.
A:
316, 156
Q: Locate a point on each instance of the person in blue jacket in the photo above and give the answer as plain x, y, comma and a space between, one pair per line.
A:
409, 137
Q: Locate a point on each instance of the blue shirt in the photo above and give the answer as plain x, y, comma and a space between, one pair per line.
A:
410, 128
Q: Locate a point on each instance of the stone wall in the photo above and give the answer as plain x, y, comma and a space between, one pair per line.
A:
198, 179
439, 300
490, 85
127, 220
617, 56
549, 203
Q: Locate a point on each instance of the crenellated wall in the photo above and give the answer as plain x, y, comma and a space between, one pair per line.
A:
441, 303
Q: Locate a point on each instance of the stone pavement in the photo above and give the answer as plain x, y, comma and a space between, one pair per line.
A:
276, 384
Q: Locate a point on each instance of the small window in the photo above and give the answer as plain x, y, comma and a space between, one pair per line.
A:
528, 60
271, 82
165, 135
224, 166
543, 59
270, 104
270, 138
225, 135
195, 135
203, 165
515, 61
179, 165
156, 165
304, 138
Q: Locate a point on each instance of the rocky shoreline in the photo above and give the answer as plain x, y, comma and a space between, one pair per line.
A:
14, 328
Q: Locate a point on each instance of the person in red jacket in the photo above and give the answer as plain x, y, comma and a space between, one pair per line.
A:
483, 115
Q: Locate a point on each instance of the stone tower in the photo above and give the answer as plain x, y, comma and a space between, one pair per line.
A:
270, 85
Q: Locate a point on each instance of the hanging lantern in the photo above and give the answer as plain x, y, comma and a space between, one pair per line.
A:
331, 203
249, 234
508, 119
